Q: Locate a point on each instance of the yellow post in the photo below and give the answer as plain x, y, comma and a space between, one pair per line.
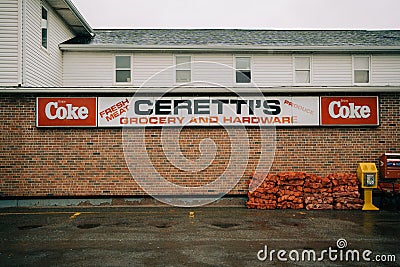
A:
368, 200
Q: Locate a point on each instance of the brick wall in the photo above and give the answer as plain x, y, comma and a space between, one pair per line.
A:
90, 162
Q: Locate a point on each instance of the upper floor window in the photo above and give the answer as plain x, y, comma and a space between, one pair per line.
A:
123, 70
302, 69
361, 69
183, 69
243, 69
44, 27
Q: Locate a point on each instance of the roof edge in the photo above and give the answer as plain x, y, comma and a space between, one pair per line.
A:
79, 16
226, 48
245, 90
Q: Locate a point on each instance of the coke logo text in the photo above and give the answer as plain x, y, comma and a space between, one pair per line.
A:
69, 112
352, 111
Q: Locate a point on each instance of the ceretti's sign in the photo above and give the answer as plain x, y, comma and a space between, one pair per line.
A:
207, 111
346, 111
66, 112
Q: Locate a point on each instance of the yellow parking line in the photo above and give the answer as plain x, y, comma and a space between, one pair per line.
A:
76, 214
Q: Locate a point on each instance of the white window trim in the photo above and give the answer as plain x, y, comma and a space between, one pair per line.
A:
251, 83
41, 37
294, 69
354, 69
191, 68
115, 70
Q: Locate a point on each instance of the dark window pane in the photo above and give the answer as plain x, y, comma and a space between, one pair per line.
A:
183, 76
123, 62
302, 76
243, 76
44, 13
123, 76
243, 63
361, 76
44, 38
361, 63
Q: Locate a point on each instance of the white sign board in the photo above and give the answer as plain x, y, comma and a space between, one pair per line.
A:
207, 111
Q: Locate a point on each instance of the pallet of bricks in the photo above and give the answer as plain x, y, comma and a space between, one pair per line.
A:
297, 190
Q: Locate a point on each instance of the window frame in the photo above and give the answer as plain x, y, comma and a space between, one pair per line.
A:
354, 69
235, 69
47, 27
116, 69
188, 69
310, 70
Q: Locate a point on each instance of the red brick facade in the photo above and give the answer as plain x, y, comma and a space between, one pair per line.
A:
90, 162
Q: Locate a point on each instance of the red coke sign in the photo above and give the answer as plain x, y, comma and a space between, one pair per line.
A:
343, 111
66, 112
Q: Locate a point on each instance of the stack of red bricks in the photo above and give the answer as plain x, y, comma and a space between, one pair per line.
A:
318, 193
290, 190
345, 191
262, 191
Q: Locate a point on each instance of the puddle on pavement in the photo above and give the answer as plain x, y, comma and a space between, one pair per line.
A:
225, 225
88, 225
163, 225
28, 227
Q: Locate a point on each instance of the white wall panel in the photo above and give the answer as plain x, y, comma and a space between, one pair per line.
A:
157, 69
9, 42
271, 70
333, 70
385, 70
213, 70
43, 67
153, 70
88, 69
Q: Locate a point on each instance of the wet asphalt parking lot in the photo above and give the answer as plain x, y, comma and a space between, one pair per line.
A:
168, 236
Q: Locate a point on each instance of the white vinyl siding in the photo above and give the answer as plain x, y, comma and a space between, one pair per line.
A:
153, 70
212, 70
88, 69
269, 70
385, 70
9, 42
43, 67
332, 70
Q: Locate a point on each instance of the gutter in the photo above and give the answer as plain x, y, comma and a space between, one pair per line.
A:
242, 90
79, 16
226, 48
